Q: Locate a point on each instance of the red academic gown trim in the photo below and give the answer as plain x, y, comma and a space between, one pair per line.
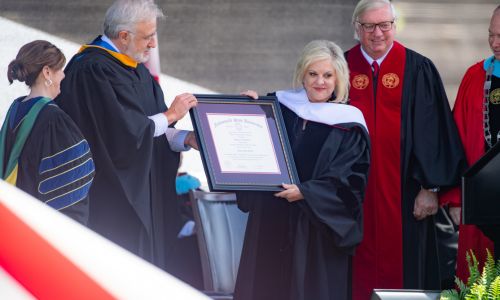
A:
468, 115
398, 250
379, 261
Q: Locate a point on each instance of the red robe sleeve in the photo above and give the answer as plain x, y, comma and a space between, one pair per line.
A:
467, 113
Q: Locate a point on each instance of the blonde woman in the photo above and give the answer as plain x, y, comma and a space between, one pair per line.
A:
299, 241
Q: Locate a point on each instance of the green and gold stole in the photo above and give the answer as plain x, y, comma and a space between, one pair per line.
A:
9, 162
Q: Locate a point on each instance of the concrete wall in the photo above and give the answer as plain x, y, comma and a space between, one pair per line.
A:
235, 45
231, 45
224, 45
453, 33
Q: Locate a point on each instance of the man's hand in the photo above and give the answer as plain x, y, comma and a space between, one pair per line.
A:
291, 193
426, 204
455, 213
191, 140
180, 106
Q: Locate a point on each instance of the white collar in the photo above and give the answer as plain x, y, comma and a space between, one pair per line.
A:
106, 39
370, 60
327, 113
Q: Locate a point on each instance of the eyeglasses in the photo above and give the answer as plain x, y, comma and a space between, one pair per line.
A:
145, 38
370, 27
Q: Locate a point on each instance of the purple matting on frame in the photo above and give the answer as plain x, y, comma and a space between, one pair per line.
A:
243, 178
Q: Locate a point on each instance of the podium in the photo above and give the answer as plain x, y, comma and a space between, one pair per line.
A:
481, 190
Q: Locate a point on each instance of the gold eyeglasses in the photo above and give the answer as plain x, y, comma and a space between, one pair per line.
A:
370, 27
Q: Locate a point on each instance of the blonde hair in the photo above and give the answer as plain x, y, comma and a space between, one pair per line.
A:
319, 50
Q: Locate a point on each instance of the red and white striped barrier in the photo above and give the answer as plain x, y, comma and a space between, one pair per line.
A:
54, 257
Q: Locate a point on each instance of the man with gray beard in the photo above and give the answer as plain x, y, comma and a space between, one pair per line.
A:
120, 109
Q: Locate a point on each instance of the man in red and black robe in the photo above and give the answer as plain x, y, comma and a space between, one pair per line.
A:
468, 113
415, 152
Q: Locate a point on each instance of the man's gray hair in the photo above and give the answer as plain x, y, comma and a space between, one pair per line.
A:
125, 14
365, 5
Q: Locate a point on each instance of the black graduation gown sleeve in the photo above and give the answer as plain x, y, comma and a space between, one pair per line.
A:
329, 224
333, 197
432, 156
56, 164
301, 250
438, 154
135, 178
109, 108
119, 118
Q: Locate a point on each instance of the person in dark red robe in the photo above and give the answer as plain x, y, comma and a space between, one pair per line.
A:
415, 152
468, 113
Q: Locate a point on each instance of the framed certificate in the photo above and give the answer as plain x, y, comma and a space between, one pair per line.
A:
243, 143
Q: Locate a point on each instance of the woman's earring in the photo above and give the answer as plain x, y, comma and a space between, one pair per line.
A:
48, 82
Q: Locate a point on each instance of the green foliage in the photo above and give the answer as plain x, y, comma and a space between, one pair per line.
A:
450, 295
494, 290
473, 266
483, 285
489, 270
462, 287
477, 292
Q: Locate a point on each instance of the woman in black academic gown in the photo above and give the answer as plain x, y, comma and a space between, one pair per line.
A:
299, 242
41, 149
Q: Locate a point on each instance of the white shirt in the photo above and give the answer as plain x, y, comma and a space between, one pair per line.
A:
106, 39
326, 112
174, 136
371, 60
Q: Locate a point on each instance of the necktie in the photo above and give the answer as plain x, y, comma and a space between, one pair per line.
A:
375, 68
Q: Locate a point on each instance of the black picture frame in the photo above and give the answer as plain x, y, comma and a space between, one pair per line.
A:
236, 111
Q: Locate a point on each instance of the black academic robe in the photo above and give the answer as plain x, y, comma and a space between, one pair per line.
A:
432, 156
134, 188
302, 250
398, 251
55, 164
